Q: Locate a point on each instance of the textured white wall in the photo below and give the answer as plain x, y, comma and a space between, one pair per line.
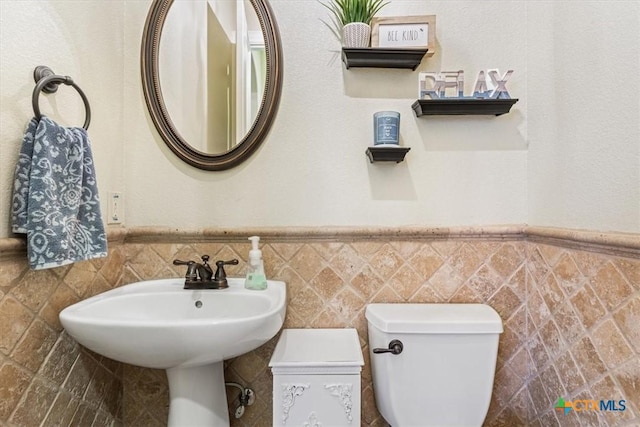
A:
81, 39
312, 169
584, 115
575, 130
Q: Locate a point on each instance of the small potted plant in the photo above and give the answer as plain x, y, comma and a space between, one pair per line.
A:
351, 20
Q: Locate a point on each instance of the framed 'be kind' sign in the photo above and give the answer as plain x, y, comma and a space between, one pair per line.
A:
404, 32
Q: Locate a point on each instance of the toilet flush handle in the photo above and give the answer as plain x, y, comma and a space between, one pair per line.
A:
395, 347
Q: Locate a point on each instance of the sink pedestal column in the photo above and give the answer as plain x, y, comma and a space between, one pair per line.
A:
198, 396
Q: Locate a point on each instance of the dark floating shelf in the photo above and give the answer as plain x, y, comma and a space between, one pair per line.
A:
378, 57
387, 154
432, 107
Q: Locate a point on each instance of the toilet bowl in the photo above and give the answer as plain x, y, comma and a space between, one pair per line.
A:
433, 364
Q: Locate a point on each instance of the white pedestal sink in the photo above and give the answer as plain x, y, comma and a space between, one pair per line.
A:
158, 324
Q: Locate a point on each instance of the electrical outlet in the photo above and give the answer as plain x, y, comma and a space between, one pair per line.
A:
116, 208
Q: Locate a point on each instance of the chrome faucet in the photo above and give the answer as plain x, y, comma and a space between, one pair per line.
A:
201, 276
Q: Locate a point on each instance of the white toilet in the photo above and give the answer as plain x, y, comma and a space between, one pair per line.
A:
433, 364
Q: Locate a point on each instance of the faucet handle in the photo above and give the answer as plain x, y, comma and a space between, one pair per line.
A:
232, 262
191, 269
221, 276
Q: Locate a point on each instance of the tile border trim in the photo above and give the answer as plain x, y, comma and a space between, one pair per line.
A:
315, 234
621, 244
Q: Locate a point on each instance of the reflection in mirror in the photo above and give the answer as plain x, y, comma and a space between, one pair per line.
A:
211, 77
212, 71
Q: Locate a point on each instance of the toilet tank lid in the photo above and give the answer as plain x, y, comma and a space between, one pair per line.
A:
434, 318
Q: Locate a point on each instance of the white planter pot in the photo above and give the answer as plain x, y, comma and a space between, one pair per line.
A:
356, 34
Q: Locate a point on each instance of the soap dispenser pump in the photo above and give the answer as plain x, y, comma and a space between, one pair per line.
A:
256, 279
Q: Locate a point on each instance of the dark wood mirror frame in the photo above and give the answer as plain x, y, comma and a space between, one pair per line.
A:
158, 111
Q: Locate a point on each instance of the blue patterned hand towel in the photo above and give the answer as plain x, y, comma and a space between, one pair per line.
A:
55, 196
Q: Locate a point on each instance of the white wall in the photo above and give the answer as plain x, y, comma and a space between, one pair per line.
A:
81, 39
584, 115
581, 150
312, 170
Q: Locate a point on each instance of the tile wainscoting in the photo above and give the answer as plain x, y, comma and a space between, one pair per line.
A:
570, 302
46, 378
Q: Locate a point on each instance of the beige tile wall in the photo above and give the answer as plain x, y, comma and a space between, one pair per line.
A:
572, 321
46, 378
329, 286
584, 334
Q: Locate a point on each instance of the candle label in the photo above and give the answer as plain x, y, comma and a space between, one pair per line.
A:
386, 127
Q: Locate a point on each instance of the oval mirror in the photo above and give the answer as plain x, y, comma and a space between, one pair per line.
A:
212, 77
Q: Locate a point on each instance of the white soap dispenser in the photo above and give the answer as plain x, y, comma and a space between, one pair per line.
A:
256, 279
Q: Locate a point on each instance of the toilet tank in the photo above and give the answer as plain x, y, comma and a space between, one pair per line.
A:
444, 374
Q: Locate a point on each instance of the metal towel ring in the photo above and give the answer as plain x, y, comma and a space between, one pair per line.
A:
48, 82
